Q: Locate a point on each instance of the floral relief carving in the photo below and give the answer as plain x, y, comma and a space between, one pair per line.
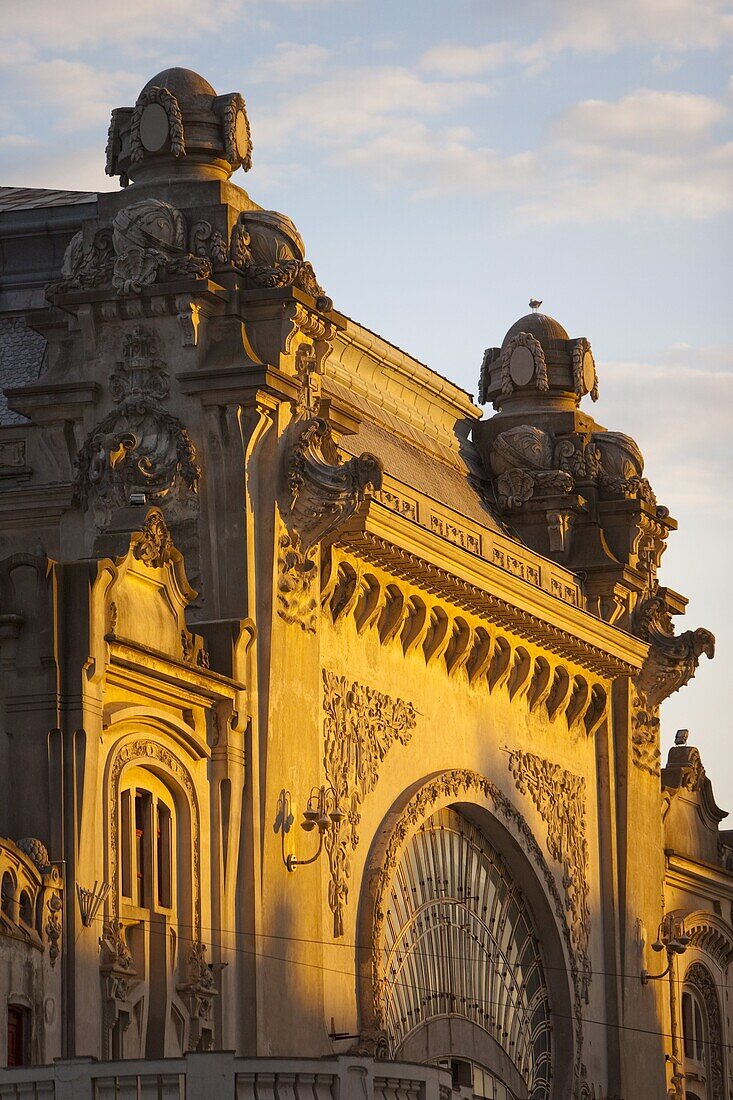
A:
138, 751
360, 726
453, 785
560, 798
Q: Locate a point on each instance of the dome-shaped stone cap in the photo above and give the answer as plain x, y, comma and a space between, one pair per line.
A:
179, 129
187, 86
538, 364
547, 330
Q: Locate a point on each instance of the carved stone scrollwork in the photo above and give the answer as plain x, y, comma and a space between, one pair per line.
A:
118, 978
321, 494
139, 447
670, 664
237, 134
198, 993
560, 798
521, 459
585, 375
86, 268
154, 544
360, 727
150, 241
209, 242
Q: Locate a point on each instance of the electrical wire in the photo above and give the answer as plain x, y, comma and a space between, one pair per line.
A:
424, 990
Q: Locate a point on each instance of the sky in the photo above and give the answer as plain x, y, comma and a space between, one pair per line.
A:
445, 160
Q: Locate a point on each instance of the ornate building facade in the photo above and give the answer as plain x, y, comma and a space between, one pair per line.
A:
330, 707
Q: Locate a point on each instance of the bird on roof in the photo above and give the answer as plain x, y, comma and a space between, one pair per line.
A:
534, 303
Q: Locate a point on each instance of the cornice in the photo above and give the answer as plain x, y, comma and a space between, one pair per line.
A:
124, 653
706, 879
472, 583
34, 502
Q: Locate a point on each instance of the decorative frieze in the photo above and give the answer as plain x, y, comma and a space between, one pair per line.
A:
399, 503
560, 798
360, 726
455, 533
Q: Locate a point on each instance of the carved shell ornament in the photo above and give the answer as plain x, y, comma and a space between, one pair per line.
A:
149, 238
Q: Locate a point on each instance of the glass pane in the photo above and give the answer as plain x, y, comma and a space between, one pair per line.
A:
459, 941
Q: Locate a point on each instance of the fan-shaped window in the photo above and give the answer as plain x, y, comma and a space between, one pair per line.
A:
459, 942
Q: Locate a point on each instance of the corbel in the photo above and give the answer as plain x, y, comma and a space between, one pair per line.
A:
438, 636
521, 674
560, 694
541, 686
481, 654
460, 647
501, 665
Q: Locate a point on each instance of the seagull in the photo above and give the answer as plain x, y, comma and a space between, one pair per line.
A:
535, 303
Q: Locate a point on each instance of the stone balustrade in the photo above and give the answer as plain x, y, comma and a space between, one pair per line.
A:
222, 1076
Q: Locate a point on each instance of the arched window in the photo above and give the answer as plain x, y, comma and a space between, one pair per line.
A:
462, 963
702, 1035
7, 897
148, 844
26, 908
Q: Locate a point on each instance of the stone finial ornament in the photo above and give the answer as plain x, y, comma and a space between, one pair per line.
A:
538, 355
179, 127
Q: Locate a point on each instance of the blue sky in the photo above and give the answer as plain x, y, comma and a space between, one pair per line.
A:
445, 161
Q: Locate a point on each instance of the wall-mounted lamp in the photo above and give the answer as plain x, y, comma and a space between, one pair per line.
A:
322, 812
672, 938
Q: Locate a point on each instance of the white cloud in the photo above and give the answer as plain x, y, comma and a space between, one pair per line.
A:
578, 26
676, 25
375, 102
649, 153
464, 60
290, 61
688, 466
81, 94
646, 119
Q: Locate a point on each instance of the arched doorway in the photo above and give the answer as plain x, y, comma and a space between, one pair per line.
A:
464, 980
